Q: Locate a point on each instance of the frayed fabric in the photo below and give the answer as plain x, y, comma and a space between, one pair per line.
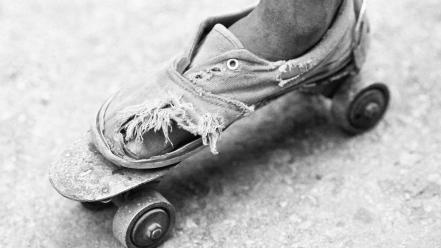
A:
206, 75
291, 67
210, 128
138, 120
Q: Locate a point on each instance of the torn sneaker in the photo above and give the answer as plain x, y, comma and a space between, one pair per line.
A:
212, 85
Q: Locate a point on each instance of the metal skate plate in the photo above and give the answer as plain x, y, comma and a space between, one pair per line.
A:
81, 173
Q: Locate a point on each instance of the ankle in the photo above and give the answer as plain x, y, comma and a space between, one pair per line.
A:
285, 29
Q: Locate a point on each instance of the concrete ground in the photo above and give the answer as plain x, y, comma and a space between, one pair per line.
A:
285, 177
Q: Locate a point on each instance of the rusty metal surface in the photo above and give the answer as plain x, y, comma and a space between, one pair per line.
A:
81, 173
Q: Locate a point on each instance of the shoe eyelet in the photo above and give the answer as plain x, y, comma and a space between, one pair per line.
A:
233, 64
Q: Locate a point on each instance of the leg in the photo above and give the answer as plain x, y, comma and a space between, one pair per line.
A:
285, 29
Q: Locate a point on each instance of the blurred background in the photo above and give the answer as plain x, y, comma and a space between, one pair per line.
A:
285, 178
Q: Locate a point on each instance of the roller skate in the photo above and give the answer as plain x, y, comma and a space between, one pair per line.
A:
107, 167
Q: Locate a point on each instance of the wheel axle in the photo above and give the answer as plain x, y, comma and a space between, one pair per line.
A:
372, 110
143, 220
154, 231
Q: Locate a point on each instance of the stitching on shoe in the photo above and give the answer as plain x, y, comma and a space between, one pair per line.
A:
207, 96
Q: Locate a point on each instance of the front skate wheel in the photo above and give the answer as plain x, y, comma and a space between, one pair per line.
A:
359, 110
144, 220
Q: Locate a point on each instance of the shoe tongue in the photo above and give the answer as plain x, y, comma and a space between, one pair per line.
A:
218, 41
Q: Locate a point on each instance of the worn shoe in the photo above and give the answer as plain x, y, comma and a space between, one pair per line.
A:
215, 83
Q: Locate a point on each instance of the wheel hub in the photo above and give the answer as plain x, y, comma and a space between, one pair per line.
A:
368, 108
150, 228
154, 231
372, 110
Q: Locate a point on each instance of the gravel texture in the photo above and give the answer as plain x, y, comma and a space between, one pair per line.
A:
286, 177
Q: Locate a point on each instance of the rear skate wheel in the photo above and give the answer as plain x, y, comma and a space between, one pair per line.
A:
144, 220
97, 206
356, 109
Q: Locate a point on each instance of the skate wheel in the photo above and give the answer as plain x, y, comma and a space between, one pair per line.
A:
357, 111
144, 220
96, 206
